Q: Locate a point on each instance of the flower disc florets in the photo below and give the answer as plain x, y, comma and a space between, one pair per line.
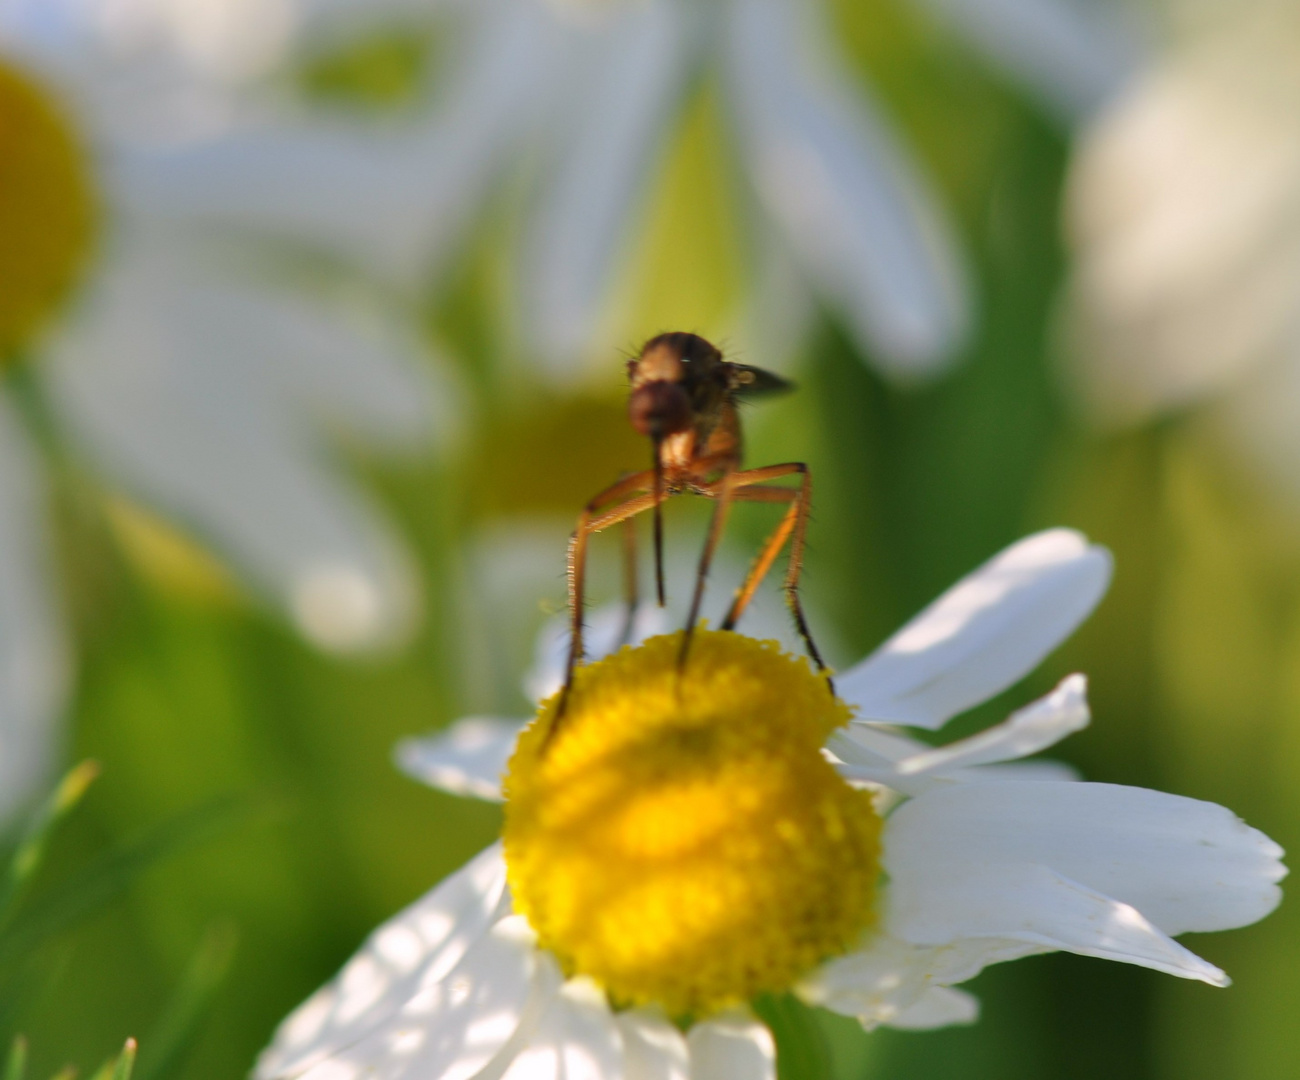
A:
679, 837
47, 211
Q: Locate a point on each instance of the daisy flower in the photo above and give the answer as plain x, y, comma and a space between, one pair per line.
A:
586, 93
175, 369
674, 846
1182, 209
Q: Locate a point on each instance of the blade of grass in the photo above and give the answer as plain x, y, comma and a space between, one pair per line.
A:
31, 847
30, 986
125, 1061
16, 1063
107, 877
120, 1067
177, 1030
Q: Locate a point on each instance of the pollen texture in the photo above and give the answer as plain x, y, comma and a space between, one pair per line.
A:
47, 212
680, 838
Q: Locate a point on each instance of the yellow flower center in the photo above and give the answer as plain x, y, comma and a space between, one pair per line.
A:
47, 209
680, 839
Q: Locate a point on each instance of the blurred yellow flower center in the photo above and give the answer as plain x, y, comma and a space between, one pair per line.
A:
47, 209
681, 839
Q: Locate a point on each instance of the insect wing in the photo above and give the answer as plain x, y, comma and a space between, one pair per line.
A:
753, 382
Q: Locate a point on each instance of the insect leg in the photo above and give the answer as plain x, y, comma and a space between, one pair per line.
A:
631, 590
593, 520
793, 527
657, 489
722, 491
577, 561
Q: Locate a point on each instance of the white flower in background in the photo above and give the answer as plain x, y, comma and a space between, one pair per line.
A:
675, 846
179, 371
1073, 56
1184, 217
162, 70
587, 93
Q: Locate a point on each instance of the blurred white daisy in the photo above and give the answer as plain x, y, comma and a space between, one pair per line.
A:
180, 371
1184, 217
587, 93
673, 847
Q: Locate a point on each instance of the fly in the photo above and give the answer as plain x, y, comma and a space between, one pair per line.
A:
685, 399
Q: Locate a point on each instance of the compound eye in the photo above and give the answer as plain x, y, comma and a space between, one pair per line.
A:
659, 409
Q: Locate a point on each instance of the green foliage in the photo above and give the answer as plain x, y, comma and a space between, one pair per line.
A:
802, 1051
116, 1068
30, 923
27, 856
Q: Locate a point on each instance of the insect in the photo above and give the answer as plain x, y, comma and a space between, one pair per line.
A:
685, 399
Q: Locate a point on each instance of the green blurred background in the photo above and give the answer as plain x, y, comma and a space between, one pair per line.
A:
195, 701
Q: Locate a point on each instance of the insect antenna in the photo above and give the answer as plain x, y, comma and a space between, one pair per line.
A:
659, 522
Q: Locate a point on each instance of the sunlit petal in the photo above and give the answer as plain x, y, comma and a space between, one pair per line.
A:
469, 758
454, 1027
886, 978
982, 635
1036, 905
1027, 731
938, 1006
732, 1046
653, 1048
576, 1038
1114, 857
415, 949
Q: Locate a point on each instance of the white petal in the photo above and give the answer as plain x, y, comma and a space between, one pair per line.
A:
874, 747
938, 1006
880, 982
469, 758
870, 755
1074, 56
207, 397
1188, 865
629, 80
1091, 868
452, 1029
145, 69
413, 950
1019, 772
653, 1048
731, 1046
1027, 731
33, 653
1034, 904
983, 634
851, 202
577, 1038
394, 200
